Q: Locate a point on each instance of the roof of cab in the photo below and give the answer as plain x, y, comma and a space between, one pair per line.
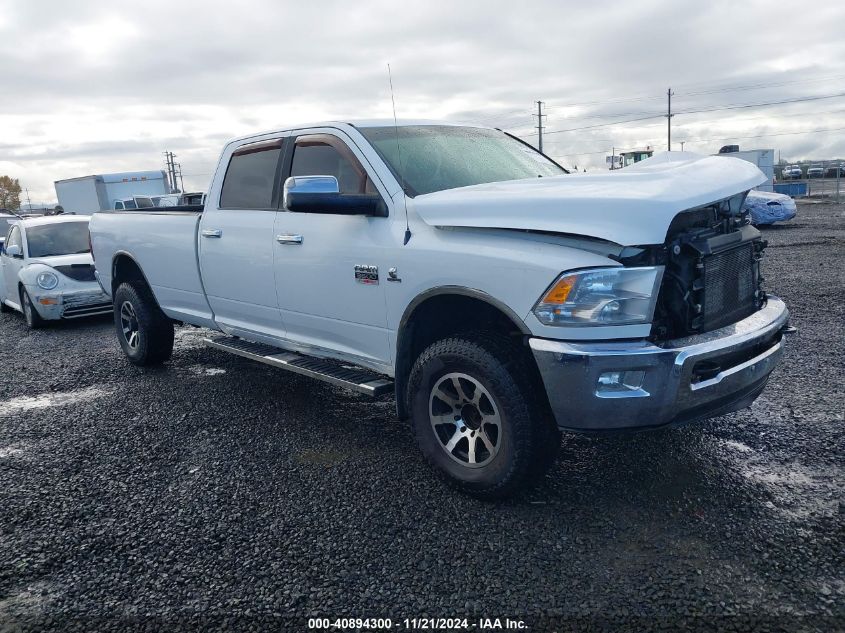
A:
361, 123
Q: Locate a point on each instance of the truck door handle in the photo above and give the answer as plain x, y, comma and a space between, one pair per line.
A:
212, 233
288, 238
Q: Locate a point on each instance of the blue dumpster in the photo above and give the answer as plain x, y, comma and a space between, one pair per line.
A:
791, 188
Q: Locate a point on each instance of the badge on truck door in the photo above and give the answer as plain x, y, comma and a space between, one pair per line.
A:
366, 274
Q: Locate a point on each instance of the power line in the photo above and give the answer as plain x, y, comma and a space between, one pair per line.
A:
716, 109
758, 105
657, 97
759, 86
706, 140
751, 118
703, 140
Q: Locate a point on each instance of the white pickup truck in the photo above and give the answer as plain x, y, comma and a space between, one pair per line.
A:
502, 299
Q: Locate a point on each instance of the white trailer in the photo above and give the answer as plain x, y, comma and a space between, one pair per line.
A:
99, 192
763, 158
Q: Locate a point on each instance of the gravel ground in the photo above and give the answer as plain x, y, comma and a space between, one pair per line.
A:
217, 493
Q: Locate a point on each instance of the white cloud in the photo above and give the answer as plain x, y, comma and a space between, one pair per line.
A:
94, 86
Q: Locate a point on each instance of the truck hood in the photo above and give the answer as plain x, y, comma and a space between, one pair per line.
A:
630, 206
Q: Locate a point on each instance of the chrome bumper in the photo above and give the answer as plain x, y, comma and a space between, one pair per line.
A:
677, 381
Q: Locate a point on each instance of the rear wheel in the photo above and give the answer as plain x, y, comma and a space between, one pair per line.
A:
478, 419
33, 319
143, 330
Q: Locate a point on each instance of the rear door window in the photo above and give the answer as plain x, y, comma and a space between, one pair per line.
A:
251, 177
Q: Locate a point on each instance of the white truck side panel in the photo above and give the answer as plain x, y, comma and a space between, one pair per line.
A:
90, 194
164, 245
118, 186
80, 195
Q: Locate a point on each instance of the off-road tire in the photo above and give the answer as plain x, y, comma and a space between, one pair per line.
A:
33, 320
153, 343
529, 438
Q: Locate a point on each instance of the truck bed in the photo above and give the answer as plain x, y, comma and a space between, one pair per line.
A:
144, 235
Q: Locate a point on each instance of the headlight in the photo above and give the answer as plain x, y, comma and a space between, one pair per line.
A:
601, 296
48, 281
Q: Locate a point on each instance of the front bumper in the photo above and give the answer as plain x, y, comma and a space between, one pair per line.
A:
677, 381
54, 305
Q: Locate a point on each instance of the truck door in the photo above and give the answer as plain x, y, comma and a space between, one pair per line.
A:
236, 245
324, 304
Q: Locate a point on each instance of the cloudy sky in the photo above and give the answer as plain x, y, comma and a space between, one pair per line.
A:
93, 87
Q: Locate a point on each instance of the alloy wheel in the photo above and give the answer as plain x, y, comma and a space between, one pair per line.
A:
465, 420
129, 325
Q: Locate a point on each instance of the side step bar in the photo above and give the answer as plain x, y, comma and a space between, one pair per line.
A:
355, 378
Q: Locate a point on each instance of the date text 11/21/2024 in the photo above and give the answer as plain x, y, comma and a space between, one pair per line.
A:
417, 624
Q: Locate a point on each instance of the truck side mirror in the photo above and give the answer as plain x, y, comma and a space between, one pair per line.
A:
321, 194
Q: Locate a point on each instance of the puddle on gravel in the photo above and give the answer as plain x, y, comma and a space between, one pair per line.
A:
188, 337
46, 400
795, 490
791, 488
11, 451
202, 370
739, 446
28, 600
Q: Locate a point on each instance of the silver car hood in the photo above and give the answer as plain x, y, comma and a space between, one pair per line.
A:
630, 206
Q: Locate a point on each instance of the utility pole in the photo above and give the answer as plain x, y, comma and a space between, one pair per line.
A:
540, 126
171, 170
669, 120
181, 180
167, 164
28, 201
682, 145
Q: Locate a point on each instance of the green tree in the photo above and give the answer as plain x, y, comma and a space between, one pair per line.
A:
10, 193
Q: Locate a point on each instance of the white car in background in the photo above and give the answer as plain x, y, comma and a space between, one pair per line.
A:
167, 200
6, 221
46, 270
134, 202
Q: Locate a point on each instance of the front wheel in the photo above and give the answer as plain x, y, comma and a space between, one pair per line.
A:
143, 330
33, 319
478, 419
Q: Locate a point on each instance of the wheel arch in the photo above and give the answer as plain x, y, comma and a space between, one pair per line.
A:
438, 313
124, 268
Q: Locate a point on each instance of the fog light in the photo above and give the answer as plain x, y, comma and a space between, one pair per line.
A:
611, 382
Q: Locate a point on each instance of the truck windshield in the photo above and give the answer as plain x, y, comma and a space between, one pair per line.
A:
439, 157
61, 238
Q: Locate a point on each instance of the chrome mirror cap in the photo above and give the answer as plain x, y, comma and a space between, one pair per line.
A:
309, 185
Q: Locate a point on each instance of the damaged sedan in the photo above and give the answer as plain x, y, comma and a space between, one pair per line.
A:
47, 273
